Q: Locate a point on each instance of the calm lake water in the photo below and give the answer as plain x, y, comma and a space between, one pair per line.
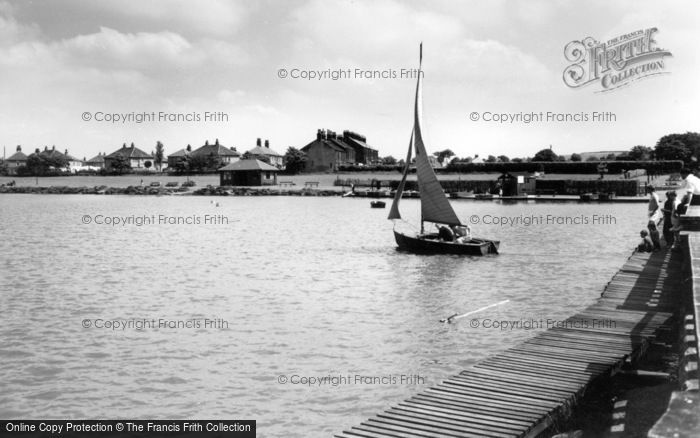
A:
308, 287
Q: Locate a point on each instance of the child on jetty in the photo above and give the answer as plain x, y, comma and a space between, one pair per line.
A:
646, 245
654, 235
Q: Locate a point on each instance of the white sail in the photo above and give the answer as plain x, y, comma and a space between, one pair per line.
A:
394, 212
434, 204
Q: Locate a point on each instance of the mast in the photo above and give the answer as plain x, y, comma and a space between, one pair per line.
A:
434, 204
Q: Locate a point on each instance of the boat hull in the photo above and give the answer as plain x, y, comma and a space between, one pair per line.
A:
430, 244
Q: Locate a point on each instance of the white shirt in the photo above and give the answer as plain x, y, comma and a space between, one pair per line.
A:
692, 184
653, 203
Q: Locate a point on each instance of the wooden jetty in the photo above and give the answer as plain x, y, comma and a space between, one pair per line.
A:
534, 386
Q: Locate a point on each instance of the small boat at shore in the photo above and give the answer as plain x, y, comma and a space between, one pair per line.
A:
377, 204
435, 207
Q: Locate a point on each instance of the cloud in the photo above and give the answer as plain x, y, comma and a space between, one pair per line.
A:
11, 31
215, 18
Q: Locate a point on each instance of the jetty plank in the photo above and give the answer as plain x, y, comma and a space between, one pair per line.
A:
521, 391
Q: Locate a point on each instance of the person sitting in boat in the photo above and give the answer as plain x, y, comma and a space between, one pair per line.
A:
445, 234
646, 245
462, 233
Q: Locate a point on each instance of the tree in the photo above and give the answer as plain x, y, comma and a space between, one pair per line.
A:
592, 158
389, 160
295, 161
147, 164
517, 160
684, 147
490, 159
442, 155
198, 163
503, 159
610, 156
182, 165
545, 155
159, 155
575, 157
120, 164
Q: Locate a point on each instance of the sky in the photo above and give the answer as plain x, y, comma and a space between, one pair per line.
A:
66, 66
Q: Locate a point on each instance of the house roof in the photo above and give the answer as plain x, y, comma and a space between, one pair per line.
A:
17, 156
180, 153
129, 152
98, 159
53, 152
335, 144
262, 150
251, 164
215, 149
358, 142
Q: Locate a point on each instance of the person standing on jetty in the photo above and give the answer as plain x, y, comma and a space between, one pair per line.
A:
691, 185
669, 207
679, 209
654, 205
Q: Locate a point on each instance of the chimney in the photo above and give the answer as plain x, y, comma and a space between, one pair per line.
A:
319, 134
206, 142
53, 148
124, 146
217, 142
267, 144
258, 142
66, 152
132, 145
36, 151
46, 148
19, 148
189, 148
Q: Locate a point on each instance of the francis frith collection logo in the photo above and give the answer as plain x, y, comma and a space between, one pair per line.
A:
614, 63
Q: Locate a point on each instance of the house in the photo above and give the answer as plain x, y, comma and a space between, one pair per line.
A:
224, 154
517, 183
260, 151
135, 157
249, 172
364, 154
15, 160
95, 163
178, 156
328, 152
74, 164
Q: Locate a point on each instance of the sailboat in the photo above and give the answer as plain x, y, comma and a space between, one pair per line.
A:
435, 207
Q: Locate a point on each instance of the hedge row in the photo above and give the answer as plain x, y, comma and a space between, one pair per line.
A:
624, 187
560, 187
613, 167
